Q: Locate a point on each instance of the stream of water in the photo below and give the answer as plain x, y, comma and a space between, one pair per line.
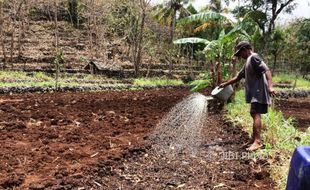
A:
180, 130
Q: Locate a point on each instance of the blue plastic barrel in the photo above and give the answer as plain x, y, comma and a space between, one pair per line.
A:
299, 173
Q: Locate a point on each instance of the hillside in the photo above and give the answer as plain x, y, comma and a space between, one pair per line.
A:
34, 45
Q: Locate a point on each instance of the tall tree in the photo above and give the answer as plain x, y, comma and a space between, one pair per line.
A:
138, 52
2, 38
265, 12
73, 9
276, 45
167, 13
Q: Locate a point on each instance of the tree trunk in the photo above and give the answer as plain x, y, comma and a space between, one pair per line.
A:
90, 36
20, 37
3, 50
192, 60
12, 45
56, 45
219, 72
213, 73
56, 26
274, 62
21, 29
235, 86
140, 41
2, 38
173, 23
73, 12
91, 29
140, 38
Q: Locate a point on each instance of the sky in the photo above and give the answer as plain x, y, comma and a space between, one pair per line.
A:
302, 9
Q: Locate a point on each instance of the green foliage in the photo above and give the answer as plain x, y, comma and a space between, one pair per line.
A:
301, 82
156, 82
192, 9
277, 41
59, 61
59, 57
123, 18
205, 17
74, 8
191, 41
225, 40
202, 83
41, 79
83, 59
297, 45
7, 76
165, 12
41, 76
219, 49
303, 43
279, 135
11, 75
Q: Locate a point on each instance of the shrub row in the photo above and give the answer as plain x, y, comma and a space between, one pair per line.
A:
285, 94
18, 90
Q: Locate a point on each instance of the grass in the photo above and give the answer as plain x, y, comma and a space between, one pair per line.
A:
37, 84
38, 79
42, 76
156, 82
279, 136
300, 84
6, 75
41, 79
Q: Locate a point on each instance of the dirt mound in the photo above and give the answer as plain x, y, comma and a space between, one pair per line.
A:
298, 108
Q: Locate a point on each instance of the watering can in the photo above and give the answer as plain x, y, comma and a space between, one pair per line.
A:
222, 93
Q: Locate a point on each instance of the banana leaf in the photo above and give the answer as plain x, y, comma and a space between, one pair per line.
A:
191, 41
205, 17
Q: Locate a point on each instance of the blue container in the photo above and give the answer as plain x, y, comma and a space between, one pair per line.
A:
299, 174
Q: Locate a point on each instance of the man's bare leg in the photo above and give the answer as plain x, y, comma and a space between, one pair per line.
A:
257, 125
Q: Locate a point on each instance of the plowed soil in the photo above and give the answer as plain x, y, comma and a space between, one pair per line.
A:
100, 141
297, 108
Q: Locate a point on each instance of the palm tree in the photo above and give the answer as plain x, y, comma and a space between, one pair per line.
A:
167, 13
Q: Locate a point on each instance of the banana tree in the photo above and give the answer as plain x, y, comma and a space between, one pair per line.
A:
220, 49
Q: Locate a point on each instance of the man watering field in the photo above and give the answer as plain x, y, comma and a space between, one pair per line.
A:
258, 88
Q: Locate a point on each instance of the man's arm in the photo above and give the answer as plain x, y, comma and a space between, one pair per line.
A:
231, 81
269, 81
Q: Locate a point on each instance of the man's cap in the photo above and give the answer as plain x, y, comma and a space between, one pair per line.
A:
240, 46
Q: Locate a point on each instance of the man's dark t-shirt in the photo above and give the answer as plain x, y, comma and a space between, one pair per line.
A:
256, 86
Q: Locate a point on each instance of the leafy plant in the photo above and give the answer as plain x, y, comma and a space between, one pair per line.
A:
41, 76
220, 49
202, 83
59, 61
156, 82
74, 8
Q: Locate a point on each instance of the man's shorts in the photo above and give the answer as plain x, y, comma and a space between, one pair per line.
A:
258, 108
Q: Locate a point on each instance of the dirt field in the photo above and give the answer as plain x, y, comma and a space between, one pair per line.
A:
100, 141
298, 108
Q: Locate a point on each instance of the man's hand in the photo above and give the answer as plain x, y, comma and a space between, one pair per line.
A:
223, 85
234, 60
271, 91
231, 81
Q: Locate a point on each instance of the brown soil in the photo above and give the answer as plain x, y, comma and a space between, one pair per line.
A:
100, 141
297, 108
